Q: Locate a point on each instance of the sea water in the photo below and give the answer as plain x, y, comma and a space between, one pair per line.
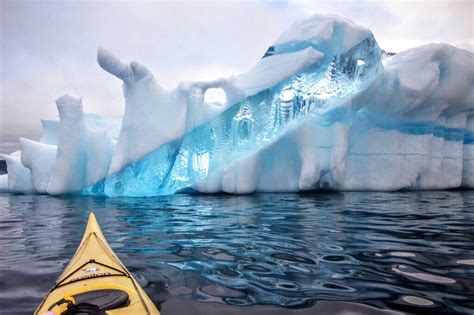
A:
264, 253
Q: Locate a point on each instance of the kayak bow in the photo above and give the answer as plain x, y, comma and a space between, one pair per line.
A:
95, 280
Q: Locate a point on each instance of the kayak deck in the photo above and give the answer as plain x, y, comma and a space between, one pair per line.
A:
95, 266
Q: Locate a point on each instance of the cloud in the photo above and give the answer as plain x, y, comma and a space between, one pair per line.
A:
49, 48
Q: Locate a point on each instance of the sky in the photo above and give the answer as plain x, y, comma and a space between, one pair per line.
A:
49, 48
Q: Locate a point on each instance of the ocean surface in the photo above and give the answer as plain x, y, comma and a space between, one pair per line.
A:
321, 253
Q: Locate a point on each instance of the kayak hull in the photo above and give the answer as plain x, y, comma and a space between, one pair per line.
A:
95, 266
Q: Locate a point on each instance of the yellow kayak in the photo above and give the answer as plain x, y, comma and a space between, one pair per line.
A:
96, 282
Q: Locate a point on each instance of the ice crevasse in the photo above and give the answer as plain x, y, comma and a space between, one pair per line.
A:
325, 108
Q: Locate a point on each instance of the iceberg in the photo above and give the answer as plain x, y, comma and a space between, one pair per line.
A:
325, 108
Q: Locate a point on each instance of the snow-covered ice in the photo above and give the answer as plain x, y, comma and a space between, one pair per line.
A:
323, 109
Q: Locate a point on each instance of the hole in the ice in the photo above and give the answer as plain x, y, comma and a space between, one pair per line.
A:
360, 62
215, 96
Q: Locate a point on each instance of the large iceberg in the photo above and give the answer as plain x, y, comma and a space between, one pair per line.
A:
325, 108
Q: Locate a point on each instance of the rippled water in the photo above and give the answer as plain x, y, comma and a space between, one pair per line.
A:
407, 252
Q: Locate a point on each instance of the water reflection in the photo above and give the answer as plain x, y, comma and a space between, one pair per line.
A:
401, 251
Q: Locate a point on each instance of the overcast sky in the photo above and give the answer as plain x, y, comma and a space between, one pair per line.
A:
48, 48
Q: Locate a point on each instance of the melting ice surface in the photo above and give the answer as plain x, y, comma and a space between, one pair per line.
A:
323, 109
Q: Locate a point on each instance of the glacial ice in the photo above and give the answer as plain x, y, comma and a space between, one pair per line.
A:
323, 109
